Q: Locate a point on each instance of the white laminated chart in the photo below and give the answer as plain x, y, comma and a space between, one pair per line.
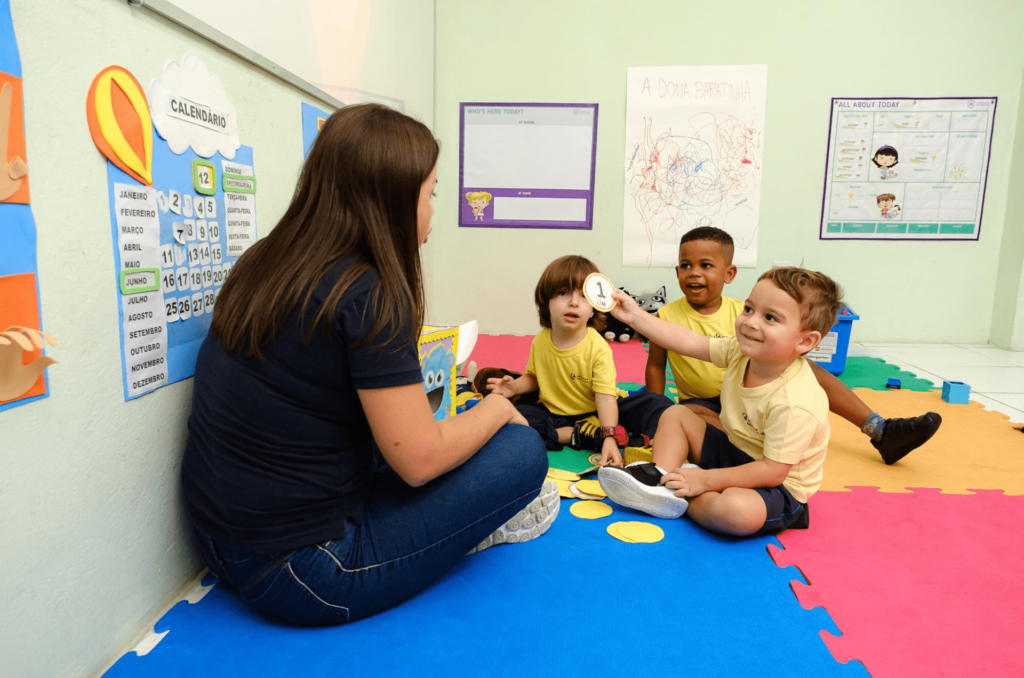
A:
907, 169
527, 165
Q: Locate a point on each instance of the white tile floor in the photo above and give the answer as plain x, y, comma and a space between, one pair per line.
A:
996, 376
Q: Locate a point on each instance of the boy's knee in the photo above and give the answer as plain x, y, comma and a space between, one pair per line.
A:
740, 513
676, 413
734, 511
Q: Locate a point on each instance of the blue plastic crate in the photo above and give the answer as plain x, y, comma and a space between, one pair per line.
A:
831, 352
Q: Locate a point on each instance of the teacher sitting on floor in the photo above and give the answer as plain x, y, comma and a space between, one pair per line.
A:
311, 367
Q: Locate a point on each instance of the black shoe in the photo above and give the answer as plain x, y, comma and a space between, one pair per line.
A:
902, 436
586, 435
639, 487
638, 440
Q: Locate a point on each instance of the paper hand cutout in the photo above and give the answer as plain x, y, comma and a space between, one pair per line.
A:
15, 378
11, 176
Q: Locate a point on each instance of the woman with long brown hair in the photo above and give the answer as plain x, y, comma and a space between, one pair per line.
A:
311, 369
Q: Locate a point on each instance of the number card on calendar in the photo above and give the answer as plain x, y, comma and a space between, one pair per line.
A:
174, 245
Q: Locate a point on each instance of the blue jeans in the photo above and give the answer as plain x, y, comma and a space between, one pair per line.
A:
408, 538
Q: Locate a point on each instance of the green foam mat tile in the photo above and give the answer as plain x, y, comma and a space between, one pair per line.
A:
873, 373
570, 460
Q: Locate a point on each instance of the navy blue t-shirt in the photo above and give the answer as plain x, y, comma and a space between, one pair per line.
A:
279, 452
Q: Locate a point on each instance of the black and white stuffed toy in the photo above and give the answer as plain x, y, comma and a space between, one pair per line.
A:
616, 330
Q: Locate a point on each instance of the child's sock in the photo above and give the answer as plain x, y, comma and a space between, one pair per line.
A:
874, 426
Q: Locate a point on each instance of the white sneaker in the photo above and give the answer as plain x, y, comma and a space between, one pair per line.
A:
638, 486
530, 523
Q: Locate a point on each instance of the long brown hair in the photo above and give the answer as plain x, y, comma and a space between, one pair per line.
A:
357, 198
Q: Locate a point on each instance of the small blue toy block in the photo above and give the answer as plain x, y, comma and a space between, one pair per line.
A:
893, 383
956, 392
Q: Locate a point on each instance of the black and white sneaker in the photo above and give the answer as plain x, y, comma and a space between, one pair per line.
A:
530, 523
639, 487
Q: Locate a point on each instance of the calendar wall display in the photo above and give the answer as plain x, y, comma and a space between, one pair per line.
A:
175, 240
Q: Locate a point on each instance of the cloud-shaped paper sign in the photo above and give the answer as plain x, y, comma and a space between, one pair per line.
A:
191, 108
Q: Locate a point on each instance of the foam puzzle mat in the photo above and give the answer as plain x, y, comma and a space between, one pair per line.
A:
692, 603
922, 584
974, 449
911, 582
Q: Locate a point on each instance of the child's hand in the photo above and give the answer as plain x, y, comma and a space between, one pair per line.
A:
626, 308
506, 386
610, 453
687, 482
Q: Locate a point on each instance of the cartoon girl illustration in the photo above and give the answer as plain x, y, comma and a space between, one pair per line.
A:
478, 200
886, 158
885, 204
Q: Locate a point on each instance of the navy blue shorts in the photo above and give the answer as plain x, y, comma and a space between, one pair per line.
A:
713, 404
784, 511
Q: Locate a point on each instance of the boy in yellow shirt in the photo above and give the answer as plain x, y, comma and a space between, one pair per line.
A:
705, 267
757, 475
572, 368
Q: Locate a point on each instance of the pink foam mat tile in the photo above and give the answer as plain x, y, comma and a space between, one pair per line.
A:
501, 350
919, 584
630, 361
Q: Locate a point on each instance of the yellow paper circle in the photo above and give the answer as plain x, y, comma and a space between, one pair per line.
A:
613, 530
591, 487
576, 492
559, 474
634, 532
563, 487
590, 509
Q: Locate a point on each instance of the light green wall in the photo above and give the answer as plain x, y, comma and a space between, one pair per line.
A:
92, 537
1008, 309
578, 51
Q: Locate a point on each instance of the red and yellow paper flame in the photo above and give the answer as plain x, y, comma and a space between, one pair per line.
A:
119, 122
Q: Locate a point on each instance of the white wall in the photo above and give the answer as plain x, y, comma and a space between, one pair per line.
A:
578, 51
1008, 306
92, 538
356, 50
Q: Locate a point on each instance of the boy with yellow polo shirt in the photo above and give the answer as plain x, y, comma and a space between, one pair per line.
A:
572, 370
705, 267
756, 476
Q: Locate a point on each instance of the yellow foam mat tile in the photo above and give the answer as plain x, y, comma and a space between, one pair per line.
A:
974, 449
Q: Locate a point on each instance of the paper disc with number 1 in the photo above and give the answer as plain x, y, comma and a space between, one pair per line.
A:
597, 288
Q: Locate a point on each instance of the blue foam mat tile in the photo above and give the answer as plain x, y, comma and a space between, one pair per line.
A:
694, 603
